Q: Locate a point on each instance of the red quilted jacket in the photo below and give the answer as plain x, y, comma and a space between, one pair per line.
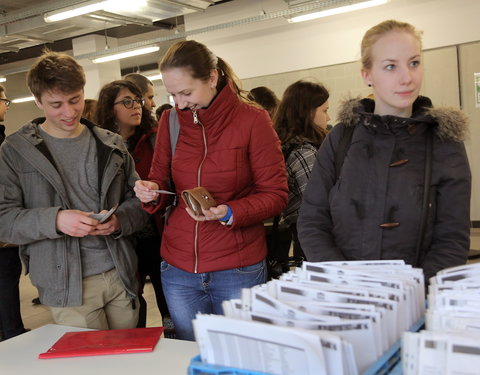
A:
234, 152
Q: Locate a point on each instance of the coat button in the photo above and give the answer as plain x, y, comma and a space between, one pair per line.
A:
390, 225
398, 162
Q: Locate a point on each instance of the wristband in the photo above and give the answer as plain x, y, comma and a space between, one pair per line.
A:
228, 215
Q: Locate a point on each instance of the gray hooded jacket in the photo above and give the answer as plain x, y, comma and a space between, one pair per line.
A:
31, 194
381, 182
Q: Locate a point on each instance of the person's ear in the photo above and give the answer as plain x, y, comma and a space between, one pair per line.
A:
213, 78
366, 77
38, 103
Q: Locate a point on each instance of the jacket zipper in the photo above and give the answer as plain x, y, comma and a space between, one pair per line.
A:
199, 171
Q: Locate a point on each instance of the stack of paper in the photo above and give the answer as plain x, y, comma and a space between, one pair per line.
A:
325, 318
452, 343
454, 299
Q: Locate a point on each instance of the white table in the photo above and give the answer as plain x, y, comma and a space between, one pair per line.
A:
19, 355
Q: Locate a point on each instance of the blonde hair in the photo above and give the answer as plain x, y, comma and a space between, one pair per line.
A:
377, 31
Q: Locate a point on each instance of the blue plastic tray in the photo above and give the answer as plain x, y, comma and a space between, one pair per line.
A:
388, 364
197, 367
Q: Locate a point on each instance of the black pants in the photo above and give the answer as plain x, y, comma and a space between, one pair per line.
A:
148, 253
11, 323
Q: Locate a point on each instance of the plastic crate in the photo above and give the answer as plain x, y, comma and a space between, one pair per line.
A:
388, 364
197, 367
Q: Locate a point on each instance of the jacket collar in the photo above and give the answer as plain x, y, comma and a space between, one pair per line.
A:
31, 132
221, 106
450, 123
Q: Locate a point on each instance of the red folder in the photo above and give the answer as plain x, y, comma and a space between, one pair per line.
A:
115, 341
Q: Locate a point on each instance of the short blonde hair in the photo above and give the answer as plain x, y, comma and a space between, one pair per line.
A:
377, 31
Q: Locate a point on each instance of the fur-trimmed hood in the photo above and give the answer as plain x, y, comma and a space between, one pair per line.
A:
450, 123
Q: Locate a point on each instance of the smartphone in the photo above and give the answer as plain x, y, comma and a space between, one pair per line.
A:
102, 218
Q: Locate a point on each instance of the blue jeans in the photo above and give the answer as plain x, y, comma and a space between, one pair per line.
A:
188, 293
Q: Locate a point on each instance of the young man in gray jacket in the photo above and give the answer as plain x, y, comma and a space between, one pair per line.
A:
55, 172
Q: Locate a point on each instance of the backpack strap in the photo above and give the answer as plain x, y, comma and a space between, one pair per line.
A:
342, 149
174, 126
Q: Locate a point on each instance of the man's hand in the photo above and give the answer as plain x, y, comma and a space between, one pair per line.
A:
107, 228
75, 223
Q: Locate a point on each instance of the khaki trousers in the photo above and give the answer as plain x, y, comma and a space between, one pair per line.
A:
106, 305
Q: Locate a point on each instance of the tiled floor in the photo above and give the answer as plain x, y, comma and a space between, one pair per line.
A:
35, 316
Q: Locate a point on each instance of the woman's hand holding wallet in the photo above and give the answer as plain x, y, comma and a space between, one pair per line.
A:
201, 206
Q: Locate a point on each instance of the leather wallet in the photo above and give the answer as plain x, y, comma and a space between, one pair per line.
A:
198, 198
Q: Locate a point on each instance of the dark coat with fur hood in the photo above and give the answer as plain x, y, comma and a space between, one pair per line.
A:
342, 219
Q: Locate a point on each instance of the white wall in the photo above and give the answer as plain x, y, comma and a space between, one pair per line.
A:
276, 46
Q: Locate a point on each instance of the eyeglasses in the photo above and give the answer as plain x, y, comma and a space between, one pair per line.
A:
129, 103
7, 101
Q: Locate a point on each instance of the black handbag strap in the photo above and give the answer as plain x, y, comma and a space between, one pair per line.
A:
426, 194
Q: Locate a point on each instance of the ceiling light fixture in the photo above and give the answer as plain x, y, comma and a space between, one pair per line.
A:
23, 100
74, 11
339, 10
93, 6
3, 79
122, 55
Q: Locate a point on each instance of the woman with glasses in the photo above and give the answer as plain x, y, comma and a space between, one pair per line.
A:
120, 108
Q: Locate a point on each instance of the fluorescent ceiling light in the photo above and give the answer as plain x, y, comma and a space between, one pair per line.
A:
339, 10
3, 79
154, 77
122, 55
74, 11
93, 6
23, 100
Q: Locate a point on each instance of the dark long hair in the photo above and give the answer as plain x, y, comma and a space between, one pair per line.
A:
294, 115
105, 114
266, 98
200, 61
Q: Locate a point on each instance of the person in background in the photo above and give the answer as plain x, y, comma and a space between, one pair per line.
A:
11, 323
161, 109
89, 109
373, 210
55, 172
120, 109
265, 97
146, 87
301, 124
230, 148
